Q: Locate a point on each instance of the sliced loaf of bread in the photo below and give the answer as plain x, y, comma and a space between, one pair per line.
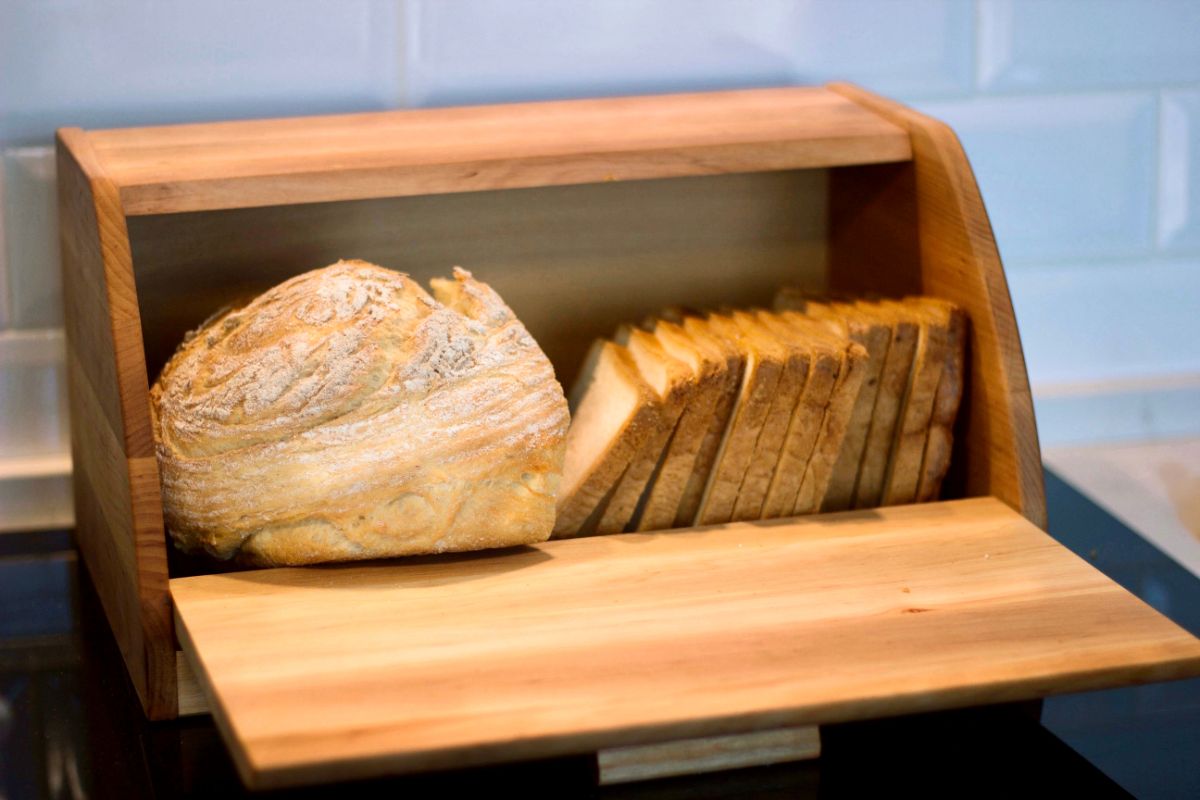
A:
764, 364
908, 450
771, 438
940, 440
893, 382
673, 383
614, 411
836, 420
707, 367
824, 365
698, 331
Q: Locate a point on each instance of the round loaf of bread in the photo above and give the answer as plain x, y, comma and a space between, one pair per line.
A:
347, 414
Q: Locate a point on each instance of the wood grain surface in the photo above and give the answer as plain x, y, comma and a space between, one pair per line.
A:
118, 510
431, 151
921, 227
581, 645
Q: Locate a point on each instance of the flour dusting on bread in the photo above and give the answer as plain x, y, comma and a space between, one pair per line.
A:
346, 413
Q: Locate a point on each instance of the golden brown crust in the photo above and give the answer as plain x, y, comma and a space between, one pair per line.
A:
346, 414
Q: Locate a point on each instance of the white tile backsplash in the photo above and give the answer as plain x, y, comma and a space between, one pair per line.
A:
96, 63
909, 50
1057, 45
30, 238
1065, 176
1117, 320
33, 400
460, 51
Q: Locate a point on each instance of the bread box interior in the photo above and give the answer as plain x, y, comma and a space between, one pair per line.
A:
582, 215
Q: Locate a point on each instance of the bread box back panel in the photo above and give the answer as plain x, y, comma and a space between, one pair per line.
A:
572, 261
582, 214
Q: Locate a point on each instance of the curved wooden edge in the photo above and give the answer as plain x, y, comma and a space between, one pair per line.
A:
922, 226
117, 497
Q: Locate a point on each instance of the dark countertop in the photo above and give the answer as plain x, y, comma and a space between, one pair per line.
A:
70, 726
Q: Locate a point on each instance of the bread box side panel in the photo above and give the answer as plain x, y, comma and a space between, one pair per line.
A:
117, 505
921, 226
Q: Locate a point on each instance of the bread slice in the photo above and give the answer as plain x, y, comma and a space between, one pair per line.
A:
837, 415
698, 331
893, 382
672, 382
940, 440
707, 372
874, 334
764, 364
614, 411
769, 447
904, 467
824, 366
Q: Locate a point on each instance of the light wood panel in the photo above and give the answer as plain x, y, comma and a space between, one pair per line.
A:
118, 511
921, 227
582, 644
636, 762
432, 151
572, 261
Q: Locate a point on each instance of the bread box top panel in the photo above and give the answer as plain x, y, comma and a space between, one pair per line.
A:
431, 151
575, 645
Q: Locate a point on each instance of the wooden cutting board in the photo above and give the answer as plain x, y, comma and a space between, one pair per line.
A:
335, 672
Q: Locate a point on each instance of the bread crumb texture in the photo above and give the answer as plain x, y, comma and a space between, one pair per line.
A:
347, 414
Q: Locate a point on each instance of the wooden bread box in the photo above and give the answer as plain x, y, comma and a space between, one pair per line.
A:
583, 214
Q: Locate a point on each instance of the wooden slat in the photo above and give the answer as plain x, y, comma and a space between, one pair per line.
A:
921, 227
637, 762
432, 151
585, 644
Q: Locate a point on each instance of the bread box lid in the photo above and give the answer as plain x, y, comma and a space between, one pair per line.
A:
351, 671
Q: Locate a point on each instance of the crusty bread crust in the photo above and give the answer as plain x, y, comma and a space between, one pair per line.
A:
347, 414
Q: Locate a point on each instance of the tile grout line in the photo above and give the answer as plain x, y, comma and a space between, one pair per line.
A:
1159, 151
5, 293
